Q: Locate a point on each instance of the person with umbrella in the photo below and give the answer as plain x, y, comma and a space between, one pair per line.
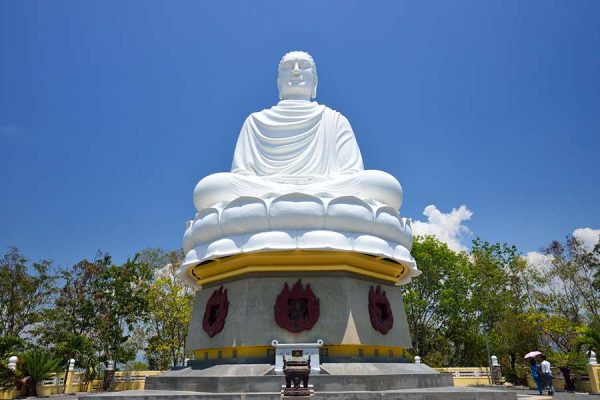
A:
535, 373
547, 373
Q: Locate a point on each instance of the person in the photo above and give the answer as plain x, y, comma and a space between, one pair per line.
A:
535, 374
297, 146
547, 374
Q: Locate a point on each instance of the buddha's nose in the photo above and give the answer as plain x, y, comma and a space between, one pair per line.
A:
296, 69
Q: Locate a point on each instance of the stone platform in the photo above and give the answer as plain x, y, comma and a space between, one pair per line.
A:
337, 381
445, 393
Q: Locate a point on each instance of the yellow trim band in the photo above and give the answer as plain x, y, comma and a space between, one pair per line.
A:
342, 350
359, 350
298, 261
234, 352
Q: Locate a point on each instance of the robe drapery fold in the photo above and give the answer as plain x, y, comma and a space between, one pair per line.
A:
297, 138
297, 147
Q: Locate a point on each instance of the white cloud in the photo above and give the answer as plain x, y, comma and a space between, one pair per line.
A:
164, 272
446, 227
538, 261
589, 237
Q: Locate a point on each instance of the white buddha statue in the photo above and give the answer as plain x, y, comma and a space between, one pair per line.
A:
297, 146
297, 182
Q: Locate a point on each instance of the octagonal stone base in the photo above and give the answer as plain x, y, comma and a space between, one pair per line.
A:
344, 324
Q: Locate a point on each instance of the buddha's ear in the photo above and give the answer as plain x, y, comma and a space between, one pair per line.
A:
313, 95
279, 88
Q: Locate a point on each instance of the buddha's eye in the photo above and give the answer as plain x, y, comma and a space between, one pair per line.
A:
288, 65
303, 64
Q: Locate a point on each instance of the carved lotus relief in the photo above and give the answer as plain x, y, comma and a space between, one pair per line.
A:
298, 309
215, 312
380, 311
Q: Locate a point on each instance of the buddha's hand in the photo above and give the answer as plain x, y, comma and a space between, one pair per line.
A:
295, 179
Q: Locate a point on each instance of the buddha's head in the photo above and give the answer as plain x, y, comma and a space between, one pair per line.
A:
297, 77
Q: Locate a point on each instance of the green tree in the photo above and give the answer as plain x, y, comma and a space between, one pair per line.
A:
24, 292
436, 299
461, 294
137, 366
74, 310
565, 303
564, 292
567, 284
10, 346
98, 307
121, 305
513, 337
170, 309
500, 296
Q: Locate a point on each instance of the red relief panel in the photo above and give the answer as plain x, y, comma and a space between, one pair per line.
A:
380, 310
215, 312
298, 309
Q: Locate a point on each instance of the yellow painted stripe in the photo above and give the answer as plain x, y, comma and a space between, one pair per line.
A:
297, 261
234, 352
358, 350
342, 350
288, 268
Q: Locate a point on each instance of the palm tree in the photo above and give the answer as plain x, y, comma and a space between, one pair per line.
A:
567, 362
39, 365
589, 340
76, 347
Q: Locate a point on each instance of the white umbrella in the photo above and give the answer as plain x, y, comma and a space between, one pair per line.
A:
532, 354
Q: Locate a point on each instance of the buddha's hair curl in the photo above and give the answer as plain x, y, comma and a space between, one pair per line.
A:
299, 54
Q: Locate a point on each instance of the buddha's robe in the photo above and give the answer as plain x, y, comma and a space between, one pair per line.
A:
297, 146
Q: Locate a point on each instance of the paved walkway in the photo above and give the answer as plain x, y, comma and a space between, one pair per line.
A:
528, 394
522, 394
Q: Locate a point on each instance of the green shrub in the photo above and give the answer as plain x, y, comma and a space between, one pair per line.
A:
8, 378
39, 365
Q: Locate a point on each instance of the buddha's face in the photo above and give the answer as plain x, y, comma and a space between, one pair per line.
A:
297, 77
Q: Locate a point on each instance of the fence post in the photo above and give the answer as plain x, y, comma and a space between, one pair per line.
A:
109, 373
593, 370
69, 377
496, 370
594, 374
12, 362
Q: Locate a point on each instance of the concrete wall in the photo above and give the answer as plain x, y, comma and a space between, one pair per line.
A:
594, 375
123, 380
344, 313
468, 376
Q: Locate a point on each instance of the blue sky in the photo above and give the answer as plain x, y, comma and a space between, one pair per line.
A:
111, 111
